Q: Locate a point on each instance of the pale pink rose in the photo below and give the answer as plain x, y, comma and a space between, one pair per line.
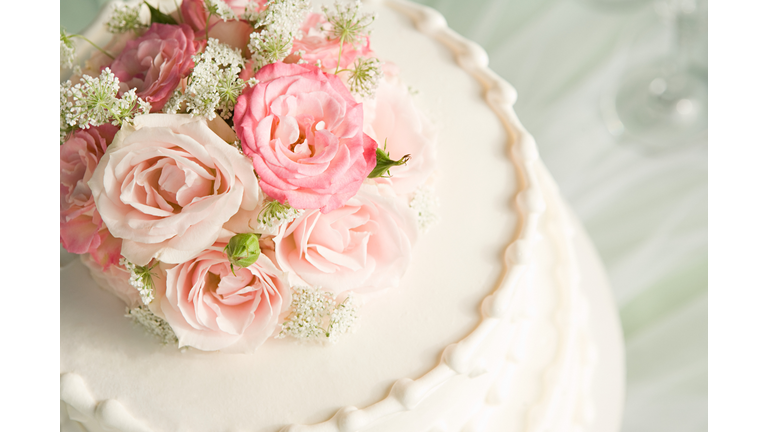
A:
113, 279
304, 131
81, 228
235, 33
167, 185
392, 117
156, 62
316, 46
362, 247
210, 309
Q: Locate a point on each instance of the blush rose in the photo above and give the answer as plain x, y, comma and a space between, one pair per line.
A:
156, 62
167, 185
81, 228
392, 117
362, 247
210, 308
303, 130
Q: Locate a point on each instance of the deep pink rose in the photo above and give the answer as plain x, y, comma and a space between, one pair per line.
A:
304, 131
114, 279
81, 228
168, 184
156, 62
316, 46
362, 247
392, 117
210, 309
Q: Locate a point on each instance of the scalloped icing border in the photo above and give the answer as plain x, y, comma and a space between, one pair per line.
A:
457, 359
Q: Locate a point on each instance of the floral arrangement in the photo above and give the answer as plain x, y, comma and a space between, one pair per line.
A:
235, 170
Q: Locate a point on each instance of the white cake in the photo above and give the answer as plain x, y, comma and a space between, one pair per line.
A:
503, 322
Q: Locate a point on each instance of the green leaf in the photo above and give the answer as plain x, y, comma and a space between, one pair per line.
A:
159, 17
384, 163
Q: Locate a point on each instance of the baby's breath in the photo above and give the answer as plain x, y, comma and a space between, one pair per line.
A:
425, 204
275, 214
153, 324
365, 76
126, 18
214, 83
94, 101
315, 315
141, 279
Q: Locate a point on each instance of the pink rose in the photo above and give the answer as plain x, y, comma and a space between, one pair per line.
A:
113, 279
303, 130
81, 228
156, 62
316, 46
167, 185
392, 117
232, 32
364, 246
210, 309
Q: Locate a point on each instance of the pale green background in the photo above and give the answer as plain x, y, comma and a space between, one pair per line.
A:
647, 214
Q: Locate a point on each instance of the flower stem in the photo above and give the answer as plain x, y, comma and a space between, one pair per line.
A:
94, 45
207, 20
338, 62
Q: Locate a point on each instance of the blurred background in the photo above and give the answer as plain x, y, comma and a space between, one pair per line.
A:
615, 93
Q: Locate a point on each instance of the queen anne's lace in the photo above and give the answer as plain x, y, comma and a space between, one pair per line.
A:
275, 214
214, 83
316, 316
425, 204
141, 279
94, 101
153, 324
278, 25
126, 18
220, 8
365, 76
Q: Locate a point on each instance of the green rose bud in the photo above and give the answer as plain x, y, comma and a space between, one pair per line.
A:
384, 163
243, 250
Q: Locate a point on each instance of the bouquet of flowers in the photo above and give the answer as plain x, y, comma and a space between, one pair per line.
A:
240, 170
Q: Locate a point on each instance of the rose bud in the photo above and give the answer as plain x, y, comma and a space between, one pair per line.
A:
243, 250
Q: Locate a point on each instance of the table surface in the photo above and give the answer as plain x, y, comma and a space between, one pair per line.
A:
645, 212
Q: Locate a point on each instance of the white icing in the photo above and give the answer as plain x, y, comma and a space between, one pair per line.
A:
516, 351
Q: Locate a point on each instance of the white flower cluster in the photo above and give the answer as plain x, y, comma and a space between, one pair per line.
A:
153, 324
347, 24
214, 83
94, 101
425, 204
141, 279
67, 50
316, 316
126, 18
365, 76
280, 23
275, 214
220, 8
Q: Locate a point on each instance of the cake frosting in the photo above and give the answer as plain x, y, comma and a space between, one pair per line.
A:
488, 330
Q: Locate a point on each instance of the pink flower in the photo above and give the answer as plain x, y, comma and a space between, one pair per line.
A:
303, 130
113, 279
167, 186
210, 309
317, 47
156, 62
392, 117
81, 228
232, 32
362, 247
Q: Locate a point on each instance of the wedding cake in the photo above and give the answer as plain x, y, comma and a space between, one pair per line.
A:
500, 317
